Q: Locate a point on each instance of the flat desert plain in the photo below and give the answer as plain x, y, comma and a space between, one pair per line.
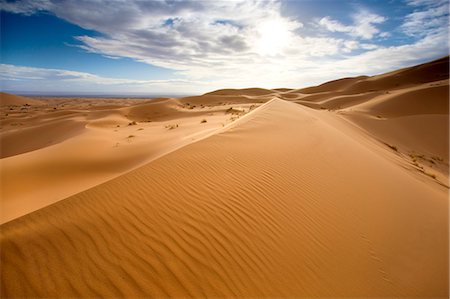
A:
337, 190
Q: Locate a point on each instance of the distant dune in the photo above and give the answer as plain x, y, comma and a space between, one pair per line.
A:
10, 99
245, 91
339, 190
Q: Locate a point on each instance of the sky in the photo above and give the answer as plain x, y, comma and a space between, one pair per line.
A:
192, 47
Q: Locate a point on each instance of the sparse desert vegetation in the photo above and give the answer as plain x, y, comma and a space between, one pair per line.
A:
234, 111
171, 126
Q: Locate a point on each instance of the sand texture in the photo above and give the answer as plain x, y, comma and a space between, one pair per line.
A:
339, 190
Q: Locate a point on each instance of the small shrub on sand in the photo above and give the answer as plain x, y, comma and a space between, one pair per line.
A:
203, 121
439, 159
171, 127
133, 123
233, 111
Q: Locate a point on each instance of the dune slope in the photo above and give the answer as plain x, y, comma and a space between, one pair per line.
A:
7, 99
406, 110
283, 203
53, 155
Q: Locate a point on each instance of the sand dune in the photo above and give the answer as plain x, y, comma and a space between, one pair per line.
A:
54, 155
406, 109
190, 225
245, 91
409, 101
424, 73
7, 99
334, 191
336, 85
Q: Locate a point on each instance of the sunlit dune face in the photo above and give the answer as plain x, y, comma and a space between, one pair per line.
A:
274, 35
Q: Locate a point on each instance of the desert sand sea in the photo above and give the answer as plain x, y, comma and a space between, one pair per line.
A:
338, 190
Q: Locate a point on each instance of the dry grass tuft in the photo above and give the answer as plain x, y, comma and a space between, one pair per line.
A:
171, 127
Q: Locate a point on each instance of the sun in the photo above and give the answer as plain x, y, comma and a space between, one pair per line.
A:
274, 35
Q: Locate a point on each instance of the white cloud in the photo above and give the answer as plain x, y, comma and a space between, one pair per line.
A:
429, 17
363, 25
41, 79
26, 7
390, 58
426, 2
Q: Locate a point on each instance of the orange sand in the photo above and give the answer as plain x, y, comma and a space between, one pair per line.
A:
339, 190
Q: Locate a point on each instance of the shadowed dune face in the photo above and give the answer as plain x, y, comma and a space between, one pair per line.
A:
17, 142
339, 190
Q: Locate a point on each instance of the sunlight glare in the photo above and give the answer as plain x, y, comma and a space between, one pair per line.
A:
274, 35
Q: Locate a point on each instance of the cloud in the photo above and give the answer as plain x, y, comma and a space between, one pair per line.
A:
26, 7
363, 25
428, 18
394, 57
43, 79
426, 2
187, 35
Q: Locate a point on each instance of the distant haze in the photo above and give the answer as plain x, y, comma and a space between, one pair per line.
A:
98, 94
